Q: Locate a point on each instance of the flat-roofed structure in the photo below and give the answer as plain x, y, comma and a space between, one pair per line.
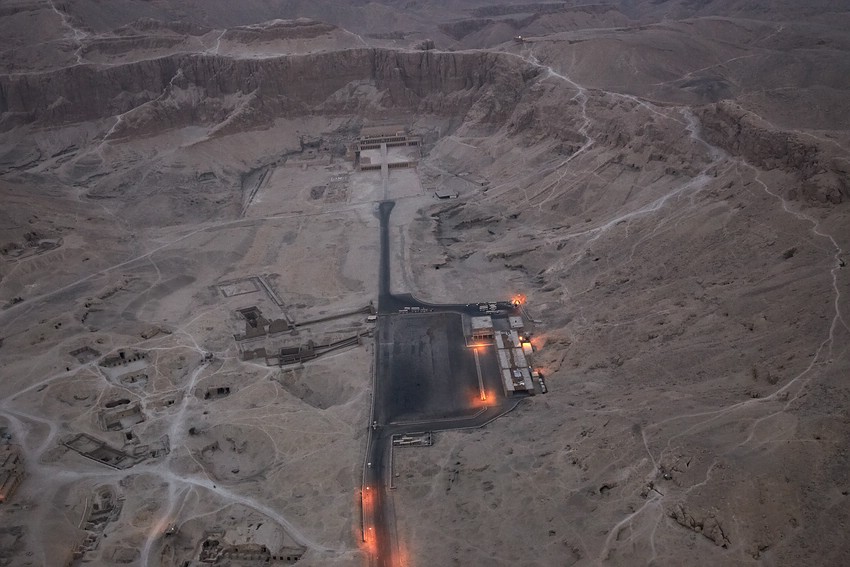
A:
382, 130
513, 364
482, 328
375, 141
371, 137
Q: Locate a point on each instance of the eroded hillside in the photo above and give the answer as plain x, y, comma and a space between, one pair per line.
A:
678, 232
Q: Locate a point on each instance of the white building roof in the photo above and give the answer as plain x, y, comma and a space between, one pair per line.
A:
482, 323
508, 380
504, 360
519, 358
499, 341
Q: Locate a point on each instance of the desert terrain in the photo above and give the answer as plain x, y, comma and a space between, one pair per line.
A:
183, 215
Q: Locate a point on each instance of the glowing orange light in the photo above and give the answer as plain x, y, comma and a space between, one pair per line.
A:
402, 557
367, 498
481, 399
518, 299
370, 541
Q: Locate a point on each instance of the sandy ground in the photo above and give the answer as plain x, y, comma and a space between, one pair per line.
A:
691, 381
163, 300
688, 286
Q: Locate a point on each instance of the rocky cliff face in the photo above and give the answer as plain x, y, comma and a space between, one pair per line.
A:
232, 94
744, 134
280, 86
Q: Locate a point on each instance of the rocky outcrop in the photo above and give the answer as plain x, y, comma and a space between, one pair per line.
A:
116, 45
280, 29
441, 83
743, 133
707, 524
535, 18
150, 26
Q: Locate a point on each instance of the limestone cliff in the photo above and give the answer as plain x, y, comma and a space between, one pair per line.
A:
440, 83
744, 134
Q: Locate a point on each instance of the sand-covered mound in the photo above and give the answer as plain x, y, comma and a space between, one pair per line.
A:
231, 453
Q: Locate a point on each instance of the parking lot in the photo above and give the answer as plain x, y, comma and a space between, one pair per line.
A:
425, 369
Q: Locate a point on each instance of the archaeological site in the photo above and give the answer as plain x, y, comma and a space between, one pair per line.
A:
378, 283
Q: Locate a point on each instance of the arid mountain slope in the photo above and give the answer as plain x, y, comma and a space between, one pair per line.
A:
667, 182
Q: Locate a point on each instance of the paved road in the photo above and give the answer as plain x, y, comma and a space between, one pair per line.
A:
379, 520
425, 380
389, 302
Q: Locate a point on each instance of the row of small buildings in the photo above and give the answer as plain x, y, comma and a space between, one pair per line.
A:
513, 352
513, 349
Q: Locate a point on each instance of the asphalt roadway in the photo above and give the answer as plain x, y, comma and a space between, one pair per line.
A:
426, 372
426, 379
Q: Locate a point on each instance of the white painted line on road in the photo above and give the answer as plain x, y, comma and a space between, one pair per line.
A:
480, 379
431, 422
392, 480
